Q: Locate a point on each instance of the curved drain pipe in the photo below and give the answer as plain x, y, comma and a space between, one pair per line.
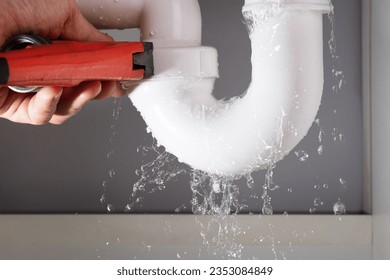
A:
225, 137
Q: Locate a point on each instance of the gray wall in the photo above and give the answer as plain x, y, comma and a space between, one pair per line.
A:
380, 126
61, 169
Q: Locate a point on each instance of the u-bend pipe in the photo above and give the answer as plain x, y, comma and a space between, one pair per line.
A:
220, 137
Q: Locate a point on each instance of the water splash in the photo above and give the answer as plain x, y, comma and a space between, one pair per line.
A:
302, 155
339, 208
206, 201
268, 183
337, 74
117, 107
219, 234
318, 202
338, 136
256, 17
154, 174
219, 196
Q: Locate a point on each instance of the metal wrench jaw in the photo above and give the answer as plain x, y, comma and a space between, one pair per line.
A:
21, 42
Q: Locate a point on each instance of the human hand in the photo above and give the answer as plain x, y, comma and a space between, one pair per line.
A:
50, 19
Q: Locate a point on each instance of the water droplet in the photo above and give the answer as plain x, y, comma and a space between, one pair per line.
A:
159, 181
290, 190
302, 155
110, 154
216, 187
317, 202
128, 208
337, 73
325, 186
111, 173
341, 83
152, 33
339, 208
101, 17
105, 184
116, 1
312, 210
277, 48
321, 135
320, 150
338, 137
116, 112
110, 208
249, 181
103, 199
317, 187
267, 209
178, 256
285, 213
148, 130
343, 184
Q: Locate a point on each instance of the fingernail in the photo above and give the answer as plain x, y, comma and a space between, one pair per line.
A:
119, 90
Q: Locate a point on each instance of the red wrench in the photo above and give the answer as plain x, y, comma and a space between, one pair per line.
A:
29, 62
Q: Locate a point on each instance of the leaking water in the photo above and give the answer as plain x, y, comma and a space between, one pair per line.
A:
219, 196
106, 184
267, 10
339, 208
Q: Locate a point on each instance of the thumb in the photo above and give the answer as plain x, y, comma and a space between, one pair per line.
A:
77, 28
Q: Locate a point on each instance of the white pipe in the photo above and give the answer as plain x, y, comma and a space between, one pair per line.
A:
166, 23
263, 126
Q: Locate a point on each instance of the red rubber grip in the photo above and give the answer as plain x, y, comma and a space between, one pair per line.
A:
68, 63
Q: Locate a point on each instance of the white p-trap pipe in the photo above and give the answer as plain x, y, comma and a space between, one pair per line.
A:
251, 131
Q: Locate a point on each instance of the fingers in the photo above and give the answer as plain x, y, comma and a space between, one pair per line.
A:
33, 109
53, 20
110, 89
79, 29
118, 90
42, 105
53, 104
3, 97
74, 99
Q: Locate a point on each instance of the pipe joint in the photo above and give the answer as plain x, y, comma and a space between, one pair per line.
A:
166, 23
